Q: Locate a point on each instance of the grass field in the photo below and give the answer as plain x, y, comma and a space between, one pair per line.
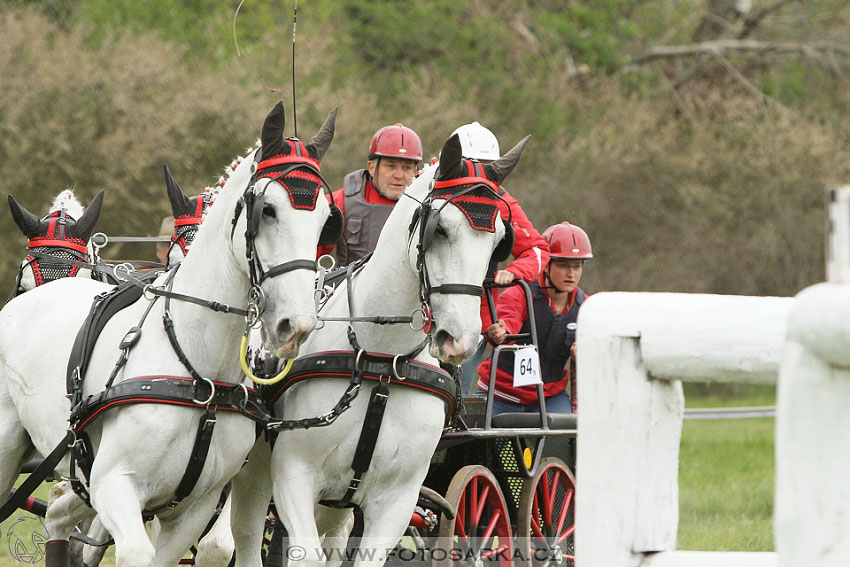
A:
725, 482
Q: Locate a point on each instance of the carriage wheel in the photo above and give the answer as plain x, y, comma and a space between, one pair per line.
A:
481, 530
547, 516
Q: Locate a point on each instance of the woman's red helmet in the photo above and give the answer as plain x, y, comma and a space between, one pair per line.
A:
396, 141
568, 241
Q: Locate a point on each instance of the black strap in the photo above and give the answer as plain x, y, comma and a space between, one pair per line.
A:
466, 289
36, 477
288, 267
203, 438
366, 444
371, 367
371, 428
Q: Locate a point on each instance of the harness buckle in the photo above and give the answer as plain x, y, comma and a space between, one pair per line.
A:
210, 398
395, 370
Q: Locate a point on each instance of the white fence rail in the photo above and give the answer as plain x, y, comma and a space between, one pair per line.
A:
639, 347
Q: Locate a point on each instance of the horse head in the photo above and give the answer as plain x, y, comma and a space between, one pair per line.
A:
188, 213
58, 244
277, 221
455, 234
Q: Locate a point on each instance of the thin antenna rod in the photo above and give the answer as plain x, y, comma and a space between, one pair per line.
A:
294, 111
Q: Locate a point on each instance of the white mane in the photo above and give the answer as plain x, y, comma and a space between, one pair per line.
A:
228, 171
68, 201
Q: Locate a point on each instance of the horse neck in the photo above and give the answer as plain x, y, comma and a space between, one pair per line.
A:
213, 273
389, 285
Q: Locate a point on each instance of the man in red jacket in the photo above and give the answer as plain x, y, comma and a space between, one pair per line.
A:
368, 195
556, 299
530, 251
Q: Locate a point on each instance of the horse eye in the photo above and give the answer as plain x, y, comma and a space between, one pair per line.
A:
441, 232
268, 211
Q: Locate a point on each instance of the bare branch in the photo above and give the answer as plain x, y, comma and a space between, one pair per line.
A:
753, 20
725, 45
756, 92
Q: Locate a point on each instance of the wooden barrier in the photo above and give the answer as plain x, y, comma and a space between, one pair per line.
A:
638, 347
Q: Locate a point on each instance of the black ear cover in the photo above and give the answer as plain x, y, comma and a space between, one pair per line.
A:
505, 246
332, 231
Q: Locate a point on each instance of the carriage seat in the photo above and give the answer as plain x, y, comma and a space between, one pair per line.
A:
475, 406
532, 420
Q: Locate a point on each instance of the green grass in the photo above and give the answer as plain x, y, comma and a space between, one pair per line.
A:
726, 473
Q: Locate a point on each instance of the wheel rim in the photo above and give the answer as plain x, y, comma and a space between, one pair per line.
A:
480, 533
547, 517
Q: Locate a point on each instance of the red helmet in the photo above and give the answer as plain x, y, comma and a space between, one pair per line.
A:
568, 241
396, 141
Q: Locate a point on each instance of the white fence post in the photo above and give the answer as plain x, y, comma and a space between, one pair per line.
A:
635, 347
838, 235
812, 497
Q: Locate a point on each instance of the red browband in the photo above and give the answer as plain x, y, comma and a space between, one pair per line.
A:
40, 242
187, 221
271, 162
466, 181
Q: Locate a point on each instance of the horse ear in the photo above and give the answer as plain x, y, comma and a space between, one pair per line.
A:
26, 221
320, 143
499, 169
85, 225
272, 137
180, 203
451, 159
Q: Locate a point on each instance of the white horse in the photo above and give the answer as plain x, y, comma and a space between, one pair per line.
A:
264, 228
58, 244
442, 277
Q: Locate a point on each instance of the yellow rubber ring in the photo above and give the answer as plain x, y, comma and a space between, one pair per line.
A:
243, 350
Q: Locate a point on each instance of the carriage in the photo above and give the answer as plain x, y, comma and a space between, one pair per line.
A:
435, 256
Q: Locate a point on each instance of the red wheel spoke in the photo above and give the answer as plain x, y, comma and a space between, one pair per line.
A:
482, 501
554, 485
460, 518
536, 529
568, 498
494, 552
567, 533
547, 504
491, 527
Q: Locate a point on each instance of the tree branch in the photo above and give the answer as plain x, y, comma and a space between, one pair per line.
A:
753, 20
725, 45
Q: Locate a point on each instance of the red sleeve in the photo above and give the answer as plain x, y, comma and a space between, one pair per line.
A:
530, 251
337, 197
511, 308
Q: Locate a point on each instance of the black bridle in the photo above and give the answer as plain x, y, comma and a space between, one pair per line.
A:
252, 201
56, 254
427, 218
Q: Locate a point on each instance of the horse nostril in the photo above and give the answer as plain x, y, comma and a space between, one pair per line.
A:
284, 329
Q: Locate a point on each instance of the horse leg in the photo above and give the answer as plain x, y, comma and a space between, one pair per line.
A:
296, 507
250, 496
178, 531
336, 525
93, 555
64, 511
119, 507
216, 547
385, 517
15, 444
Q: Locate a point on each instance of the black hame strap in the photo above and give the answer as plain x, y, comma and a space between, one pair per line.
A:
366, 444
36, 477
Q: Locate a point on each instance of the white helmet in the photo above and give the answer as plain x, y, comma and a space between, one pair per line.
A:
477, 142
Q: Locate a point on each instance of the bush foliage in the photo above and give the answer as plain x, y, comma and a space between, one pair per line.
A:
684, 176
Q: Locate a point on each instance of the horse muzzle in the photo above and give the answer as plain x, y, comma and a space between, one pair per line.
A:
290, 334
448, 349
